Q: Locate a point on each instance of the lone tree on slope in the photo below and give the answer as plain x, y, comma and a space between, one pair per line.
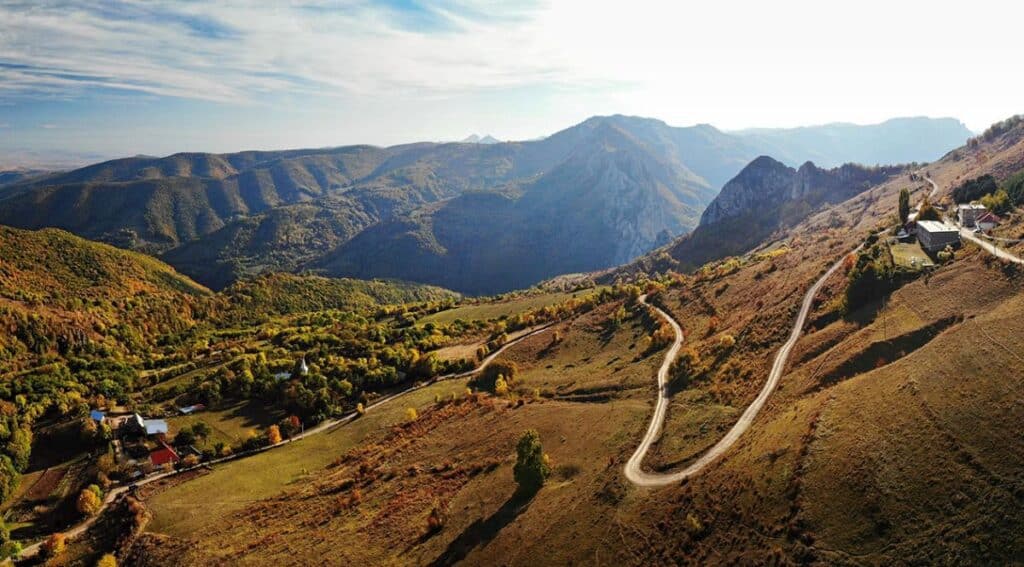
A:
904, 205
532, 467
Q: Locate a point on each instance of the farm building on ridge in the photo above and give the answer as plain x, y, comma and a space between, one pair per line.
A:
967, 215
936, 235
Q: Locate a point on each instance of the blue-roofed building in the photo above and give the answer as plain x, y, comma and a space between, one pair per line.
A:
97, 416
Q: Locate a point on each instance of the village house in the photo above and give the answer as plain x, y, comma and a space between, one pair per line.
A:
967, 214
988, 221
163, 455
300, 369
155, 427
189, 410
936, 235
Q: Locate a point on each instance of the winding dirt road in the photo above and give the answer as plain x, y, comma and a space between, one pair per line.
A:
634, 470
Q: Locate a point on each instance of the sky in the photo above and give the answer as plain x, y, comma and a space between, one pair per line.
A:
112, 78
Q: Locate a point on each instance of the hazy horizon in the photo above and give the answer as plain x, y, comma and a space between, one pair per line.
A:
27, 157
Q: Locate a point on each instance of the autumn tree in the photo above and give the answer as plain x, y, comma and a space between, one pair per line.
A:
108, 560
531, 468
201, 430
501, 386
8, 478
685, 368
273, 435
904, 205
488, 379
928, 212
89, 503
8, 547
410, 414
184, 437
54, 545
20, 447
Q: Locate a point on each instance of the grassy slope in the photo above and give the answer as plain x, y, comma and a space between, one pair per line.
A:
585, 441
281, 294
911, 461
497, 309
52, 264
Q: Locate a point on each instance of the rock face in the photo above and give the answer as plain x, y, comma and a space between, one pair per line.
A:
763, 181
767, 196
765, 184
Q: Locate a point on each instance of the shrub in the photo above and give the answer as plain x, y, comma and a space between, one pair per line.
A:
185, 437
437, 518
201, 430
867, 280
88, 503
8, 478
410, 414
108, 560
489, 377
974, 189
54, 545
500, 386
927, 212
1014, 187
273, 435
694, 526
998, 202
685, 368
532, 467
360, 409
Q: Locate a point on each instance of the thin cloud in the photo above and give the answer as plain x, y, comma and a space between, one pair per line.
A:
49, 126
338, 48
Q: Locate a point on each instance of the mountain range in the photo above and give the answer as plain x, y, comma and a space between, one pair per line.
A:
474, 217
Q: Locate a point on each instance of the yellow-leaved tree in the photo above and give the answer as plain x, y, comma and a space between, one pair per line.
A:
273, 435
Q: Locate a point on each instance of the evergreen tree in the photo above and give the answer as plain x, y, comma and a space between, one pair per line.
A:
531, 469
904, 205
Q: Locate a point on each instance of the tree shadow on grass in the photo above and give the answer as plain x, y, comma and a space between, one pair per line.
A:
482, 531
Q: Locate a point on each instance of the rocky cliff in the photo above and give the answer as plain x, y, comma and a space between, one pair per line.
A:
765, 184
767, 196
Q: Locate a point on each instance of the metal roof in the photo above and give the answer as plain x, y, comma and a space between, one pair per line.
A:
936, 226
154, 426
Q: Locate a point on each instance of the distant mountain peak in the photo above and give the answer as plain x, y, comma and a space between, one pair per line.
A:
476, 139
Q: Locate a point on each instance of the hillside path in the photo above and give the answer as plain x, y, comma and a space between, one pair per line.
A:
634, 470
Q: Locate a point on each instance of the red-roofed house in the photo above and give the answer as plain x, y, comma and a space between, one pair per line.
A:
988, 221
163, 455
